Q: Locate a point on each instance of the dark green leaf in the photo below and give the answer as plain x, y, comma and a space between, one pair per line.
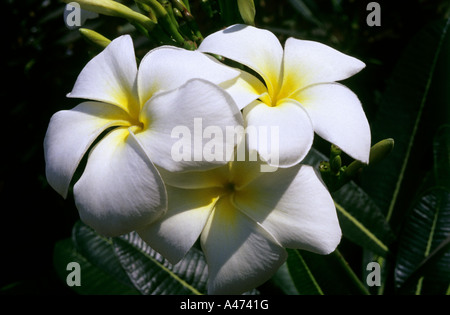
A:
423, 250
127, 265
94, 279
404, 105
323, 274
152, 274
442, 157
361, 220
304, 281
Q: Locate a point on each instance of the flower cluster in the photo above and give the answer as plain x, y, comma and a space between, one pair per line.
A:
245, 211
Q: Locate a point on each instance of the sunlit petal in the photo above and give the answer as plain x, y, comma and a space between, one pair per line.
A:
190, 120
110, 77
245, 89
215, 177
282, 135
308, 62
69, 136
120, 190
338, 117
240, 253
166, 68
256, 48
175, 233
295, 207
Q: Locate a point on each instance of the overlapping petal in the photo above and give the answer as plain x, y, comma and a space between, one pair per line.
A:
185, 114
240, 253
167, 67
175, 233
282, 135
120, 189
110, 77
338, 117
258, 49
295, 207
245, 89
70, 134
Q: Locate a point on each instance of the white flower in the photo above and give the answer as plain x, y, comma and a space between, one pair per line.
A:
120, 189
298, 91
245, 218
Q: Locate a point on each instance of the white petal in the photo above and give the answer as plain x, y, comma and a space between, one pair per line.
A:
216, 177
309, 62
338, 117
258, 49
295, 207
194, 118
120, 189
284, 133
175, 233
167, 68
110, 77
240, 254
70, 134
245, 89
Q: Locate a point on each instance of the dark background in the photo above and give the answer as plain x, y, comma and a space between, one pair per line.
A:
41, 59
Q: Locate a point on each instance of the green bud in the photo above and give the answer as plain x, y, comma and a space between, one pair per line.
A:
113, 8
247, 11
335, 151
380, 150
377, 153
94, 37
335, 164
177, 13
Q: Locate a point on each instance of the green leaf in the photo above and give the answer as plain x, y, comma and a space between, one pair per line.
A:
424, 251
282, 280
315, 274
153, 274
360, 218
304, 280
442, 157
127, 265
401, 116
94, 279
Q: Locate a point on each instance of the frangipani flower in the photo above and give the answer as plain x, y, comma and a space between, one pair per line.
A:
245, 218
120, 189
298, 92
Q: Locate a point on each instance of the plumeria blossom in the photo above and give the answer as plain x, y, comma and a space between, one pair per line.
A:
120, 188
297, 91
245, 219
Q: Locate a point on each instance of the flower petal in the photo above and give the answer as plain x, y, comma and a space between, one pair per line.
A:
183, 124
167, 68
338, 117
120, 190
175, 233
258, 49
216, 177
240, 253
282, 135
295, 207
70, 134
110, 77
308, 62
245, 89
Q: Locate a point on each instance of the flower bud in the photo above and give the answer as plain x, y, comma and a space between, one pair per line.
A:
113, 8
94, 37
247, 11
